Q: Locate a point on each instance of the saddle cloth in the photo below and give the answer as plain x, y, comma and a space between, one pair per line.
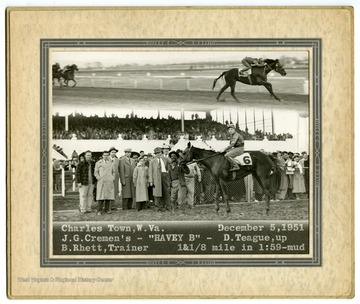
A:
245, 74
244, 159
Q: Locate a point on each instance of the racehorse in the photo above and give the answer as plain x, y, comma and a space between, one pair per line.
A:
261, 169
258, 77
69, 74
56, 74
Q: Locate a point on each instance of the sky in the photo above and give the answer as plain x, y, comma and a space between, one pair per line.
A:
109, 58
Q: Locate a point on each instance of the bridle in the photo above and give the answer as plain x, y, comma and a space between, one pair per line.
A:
200, 159
277, 67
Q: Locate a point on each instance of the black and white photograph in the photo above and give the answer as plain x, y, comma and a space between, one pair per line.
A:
180, 152
157, 144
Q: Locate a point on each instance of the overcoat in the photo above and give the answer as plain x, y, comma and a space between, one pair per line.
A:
140, 179
116, 163
155, 174
104, 173
299, 185
284, 183
127, 166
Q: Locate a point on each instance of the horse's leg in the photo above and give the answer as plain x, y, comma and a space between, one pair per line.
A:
223, 186
74, 82
233, 91
265, 185
268, 86
222, 90
217, 194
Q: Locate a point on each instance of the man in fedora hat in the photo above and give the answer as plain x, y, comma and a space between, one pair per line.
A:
86, 180
159, 180
165, 150
177, 180
115, 161
235, 148
126, 168
135, 156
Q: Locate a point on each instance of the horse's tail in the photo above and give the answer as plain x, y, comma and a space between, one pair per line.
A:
221, 75
274, 162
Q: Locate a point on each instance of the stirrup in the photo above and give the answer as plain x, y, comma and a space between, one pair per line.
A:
234, 168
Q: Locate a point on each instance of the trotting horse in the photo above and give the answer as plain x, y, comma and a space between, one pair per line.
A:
69, 74
258, 77
261, 169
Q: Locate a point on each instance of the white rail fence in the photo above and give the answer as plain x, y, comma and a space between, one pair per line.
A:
295, 85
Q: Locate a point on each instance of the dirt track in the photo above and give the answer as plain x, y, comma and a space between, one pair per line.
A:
164, 99
65, 209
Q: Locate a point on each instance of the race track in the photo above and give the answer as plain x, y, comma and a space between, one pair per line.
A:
88, 97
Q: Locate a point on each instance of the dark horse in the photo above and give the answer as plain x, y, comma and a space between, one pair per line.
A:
258, 77
261, 169
69, 74
56, 74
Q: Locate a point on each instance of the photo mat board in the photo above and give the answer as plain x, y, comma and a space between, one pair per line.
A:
212, 255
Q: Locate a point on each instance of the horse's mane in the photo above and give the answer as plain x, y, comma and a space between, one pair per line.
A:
202, 149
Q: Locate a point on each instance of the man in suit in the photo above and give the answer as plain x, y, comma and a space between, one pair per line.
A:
127, 166
104, 173
159, 180
86, 180
115, 161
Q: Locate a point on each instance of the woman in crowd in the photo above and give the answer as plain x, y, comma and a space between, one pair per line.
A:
284, 184
299, 185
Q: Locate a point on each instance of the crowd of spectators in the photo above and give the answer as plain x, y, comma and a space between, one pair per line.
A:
135, 128
290, 180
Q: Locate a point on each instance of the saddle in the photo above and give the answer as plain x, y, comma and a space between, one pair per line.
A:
244, 160
246, 74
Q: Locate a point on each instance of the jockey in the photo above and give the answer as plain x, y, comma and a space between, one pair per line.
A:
66, 69
248, 62
235, 148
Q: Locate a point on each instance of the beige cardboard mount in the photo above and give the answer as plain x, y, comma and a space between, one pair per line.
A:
333, 25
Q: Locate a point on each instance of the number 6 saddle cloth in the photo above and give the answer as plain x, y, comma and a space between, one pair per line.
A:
244, 159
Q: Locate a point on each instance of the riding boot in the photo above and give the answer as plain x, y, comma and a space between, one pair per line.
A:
234, 165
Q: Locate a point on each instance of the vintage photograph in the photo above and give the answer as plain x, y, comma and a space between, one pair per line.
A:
144, 106
180, 136
180, 152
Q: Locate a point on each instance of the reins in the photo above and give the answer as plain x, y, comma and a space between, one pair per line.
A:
201, 159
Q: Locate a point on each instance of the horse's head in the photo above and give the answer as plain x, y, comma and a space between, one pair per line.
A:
188, 154
74, 67
279, 68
